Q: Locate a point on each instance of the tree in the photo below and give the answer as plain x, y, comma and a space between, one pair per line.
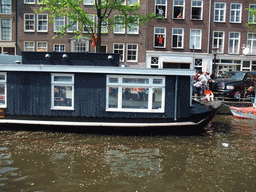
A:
76, 13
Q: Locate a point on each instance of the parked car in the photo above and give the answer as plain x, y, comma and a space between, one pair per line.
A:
233, 84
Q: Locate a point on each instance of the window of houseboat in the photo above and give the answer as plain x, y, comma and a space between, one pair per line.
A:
63, 91
135, 93
3, 90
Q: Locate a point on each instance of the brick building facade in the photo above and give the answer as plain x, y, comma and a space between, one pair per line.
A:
183, 36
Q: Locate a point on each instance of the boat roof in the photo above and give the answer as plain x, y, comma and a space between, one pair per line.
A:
96, 69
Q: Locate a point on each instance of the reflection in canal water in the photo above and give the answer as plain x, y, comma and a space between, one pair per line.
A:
221, 159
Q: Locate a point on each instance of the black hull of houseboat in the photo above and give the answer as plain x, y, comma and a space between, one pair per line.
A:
202, 115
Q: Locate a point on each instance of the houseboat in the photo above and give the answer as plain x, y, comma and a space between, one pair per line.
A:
92, 89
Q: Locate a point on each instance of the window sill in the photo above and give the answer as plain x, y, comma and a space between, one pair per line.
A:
135, 110
63, 108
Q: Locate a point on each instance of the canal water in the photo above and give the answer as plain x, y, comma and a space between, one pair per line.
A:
221, 158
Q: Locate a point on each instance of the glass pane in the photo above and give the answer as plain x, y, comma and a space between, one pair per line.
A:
63, 96
136, 80
135, 98
63, 78
157, 81
2, 77
2, 94
157, 98
113, 80
112, 97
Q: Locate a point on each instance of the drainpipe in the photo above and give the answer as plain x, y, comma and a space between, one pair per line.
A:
209, 27
146, 41
16, 44
176, 99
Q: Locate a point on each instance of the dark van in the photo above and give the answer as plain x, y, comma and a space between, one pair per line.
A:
233, 84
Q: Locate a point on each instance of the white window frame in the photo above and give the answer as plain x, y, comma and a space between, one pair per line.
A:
197, 6
8, 6
131, 3
3, 82
150, 86
90, 28
39, 47
179, 35
29, 1
127, 52
251, 18
218, 40
234, 40
43, 22
62, 83
195, 38
57, 47
134, 28
81, 45
88, 2
156, 33
237, 13
180, 5
158, 5
118, 50
59, 22
9, 32
119, 28
29, 48
31, 22
251, 42
219, 11
73, 28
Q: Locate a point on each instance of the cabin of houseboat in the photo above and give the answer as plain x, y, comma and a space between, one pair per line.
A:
93, 85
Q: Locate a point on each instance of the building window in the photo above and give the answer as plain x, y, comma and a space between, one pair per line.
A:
161, 8
29, 1
119, 48
73, 26
89, 27
196, 9
42, 22
133, 28
234, 43
154, 62
6, 32
199, 65
59, 23
88, 2
251, 42
29, 46
177, 37
119, 27
219, 12
218, 41
3, 91
159, 37
104, 27
178, 9
29, 22
62, 92
59, 48
235, 12
195, 38
132, 53
81, 45
6, 6
131, 2
251, 17
135, 93
42, 46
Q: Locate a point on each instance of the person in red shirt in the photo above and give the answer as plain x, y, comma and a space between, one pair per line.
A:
208, 94
160, 40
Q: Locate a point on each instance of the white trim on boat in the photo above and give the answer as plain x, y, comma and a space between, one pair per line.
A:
96, 69
97, 124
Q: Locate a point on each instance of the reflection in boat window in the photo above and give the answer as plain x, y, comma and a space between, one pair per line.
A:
234, 75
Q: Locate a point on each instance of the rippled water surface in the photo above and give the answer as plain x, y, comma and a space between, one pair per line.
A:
221, 159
